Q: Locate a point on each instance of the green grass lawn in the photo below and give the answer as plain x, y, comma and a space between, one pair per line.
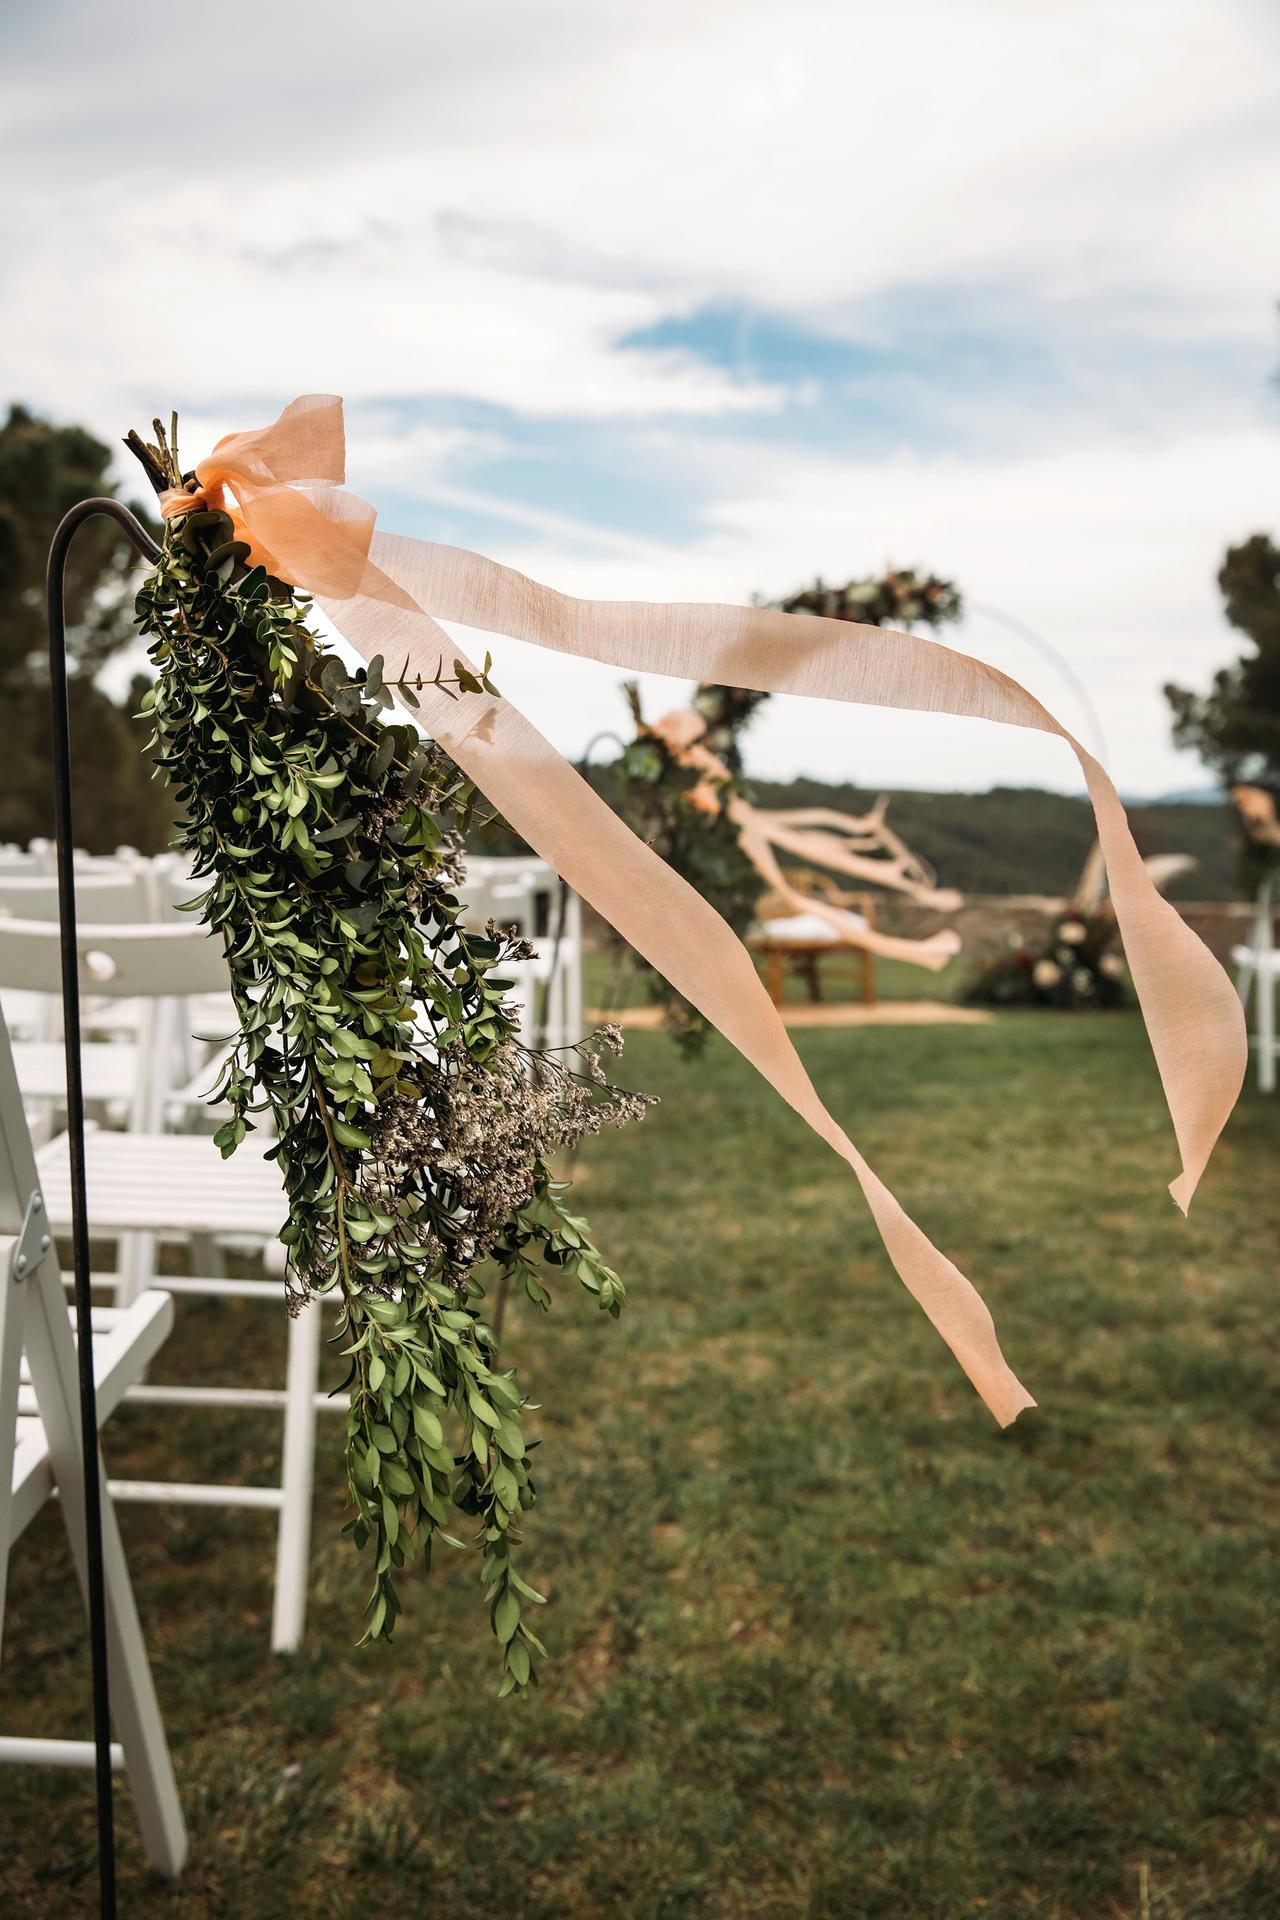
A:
825, 1642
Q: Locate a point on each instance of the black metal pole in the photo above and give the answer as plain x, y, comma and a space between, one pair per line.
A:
64, 834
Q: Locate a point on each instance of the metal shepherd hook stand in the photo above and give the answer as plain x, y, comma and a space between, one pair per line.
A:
64, 832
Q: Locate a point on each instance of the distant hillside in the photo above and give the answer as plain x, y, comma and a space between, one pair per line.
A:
1010, 840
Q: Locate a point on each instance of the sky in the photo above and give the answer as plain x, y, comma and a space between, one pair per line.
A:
701, 301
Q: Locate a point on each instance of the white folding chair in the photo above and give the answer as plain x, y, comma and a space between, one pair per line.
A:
562, 949
524, 892
147, 1187
147, 1076
40, 1450
1258, 973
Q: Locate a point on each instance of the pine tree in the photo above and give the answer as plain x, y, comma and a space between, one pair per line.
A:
1235, 727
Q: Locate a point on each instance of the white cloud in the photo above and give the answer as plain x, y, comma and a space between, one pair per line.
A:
481, 200
409, 201
102, 309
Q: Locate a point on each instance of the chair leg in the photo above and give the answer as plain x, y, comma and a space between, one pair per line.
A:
135, 1266
13, 1302
136, 1710
1266, 1002
293, 1541
134, 1707
207, 1257
1244, 981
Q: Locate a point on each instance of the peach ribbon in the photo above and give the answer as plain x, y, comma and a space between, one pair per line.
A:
384, 593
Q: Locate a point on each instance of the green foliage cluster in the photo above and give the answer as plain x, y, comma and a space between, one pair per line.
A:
673, 809
46, 470
1235, 727
1075, 964
376, 1039
902, 597
727, 712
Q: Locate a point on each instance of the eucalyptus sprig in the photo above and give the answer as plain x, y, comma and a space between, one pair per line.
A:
377, 1049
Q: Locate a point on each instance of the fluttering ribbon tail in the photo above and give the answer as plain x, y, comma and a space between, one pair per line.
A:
385, 593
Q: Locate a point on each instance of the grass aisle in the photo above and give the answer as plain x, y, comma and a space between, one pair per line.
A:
826, 1643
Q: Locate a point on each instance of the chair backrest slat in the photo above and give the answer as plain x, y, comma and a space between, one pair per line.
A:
119, 898
116, 962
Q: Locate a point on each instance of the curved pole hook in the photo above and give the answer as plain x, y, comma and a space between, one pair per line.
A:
65, 836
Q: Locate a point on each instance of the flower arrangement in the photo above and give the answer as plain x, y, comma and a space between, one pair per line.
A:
413, 1133
1076, 963
899, 598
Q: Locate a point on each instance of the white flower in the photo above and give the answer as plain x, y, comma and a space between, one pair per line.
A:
1082, 980
1046, 973
1072, 931
1111, 965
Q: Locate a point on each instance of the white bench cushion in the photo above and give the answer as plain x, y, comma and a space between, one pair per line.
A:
804, 928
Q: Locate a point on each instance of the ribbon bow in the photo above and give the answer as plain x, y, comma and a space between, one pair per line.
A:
385, 593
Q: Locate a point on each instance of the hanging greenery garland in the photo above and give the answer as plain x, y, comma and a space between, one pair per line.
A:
682, 815
414, 1134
